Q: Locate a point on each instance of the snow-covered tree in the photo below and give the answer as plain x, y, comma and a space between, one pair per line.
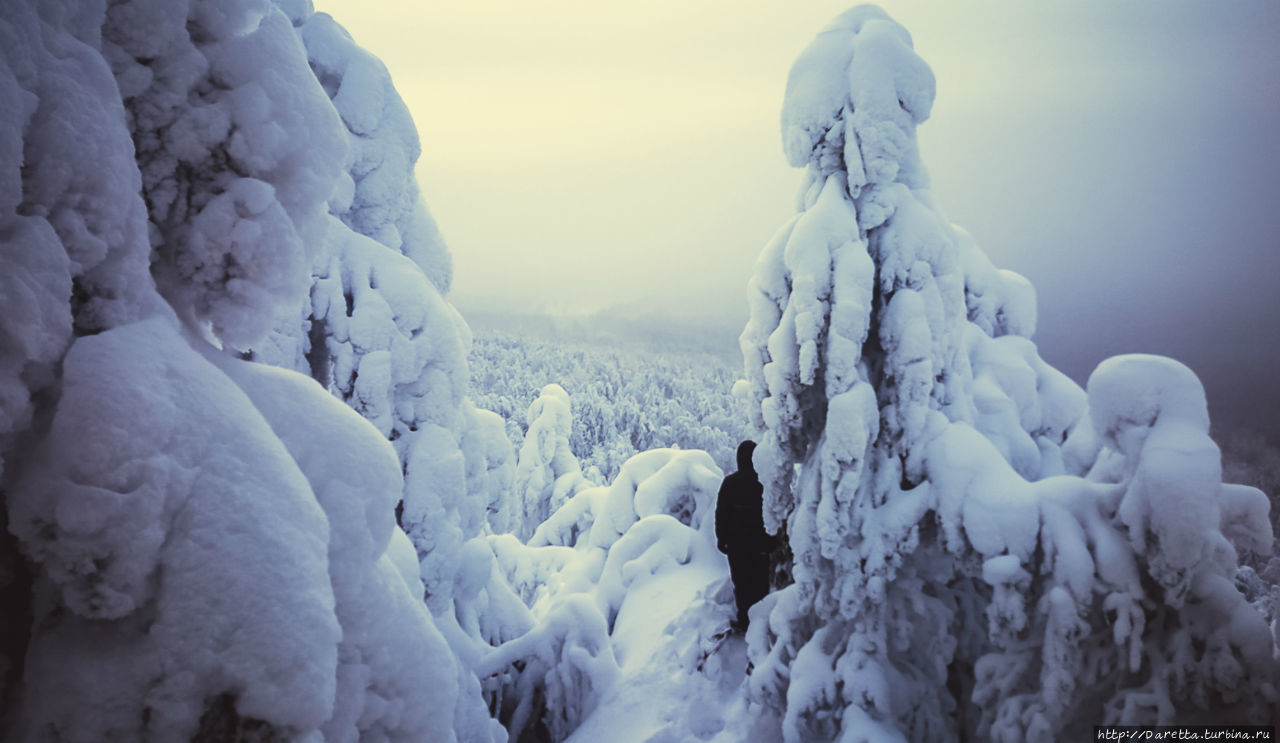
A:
964, 569
204, 546
547, 472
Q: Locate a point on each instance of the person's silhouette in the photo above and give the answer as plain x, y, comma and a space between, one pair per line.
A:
740, 533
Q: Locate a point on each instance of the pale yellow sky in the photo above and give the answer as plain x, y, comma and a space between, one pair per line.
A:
575, 152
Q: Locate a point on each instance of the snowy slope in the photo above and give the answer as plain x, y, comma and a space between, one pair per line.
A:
677, 676
683, 674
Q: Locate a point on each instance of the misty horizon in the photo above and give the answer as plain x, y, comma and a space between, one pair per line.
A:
1122, 158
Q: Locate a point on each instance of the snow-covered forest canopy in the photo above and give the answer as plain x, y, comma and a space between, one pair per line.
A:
260, 481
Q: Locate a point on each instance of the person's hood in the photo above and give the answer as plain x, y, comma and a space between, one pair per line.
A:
744, 456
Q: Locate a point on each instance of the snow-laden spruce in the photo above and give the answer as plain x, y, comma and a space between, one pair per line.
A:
208, 544
980, 549
547, 472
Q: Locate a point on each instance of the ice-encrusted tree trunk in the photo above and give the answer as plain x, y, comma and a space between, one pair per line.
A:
962, 569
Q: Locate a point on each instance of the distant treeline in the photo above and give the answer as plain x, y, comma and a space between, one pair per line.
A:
626, 398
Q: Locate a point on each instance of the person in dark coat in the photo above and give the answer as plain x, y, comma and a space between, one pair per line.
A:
740, 533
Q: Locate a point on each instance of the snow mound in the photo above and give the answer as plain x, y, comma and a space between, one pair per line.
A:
355, 476
550, 629
159, 480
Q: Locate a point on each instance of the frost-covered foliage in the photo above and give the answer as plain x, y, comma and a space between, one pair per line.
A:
375, 328
547, 473
981, 550
627, 398
378, 196
208, 544
236, 165
540, 616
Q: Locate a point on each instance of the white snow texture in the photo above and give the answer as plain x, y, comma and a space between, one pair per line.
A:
980, 550
188, 189
228, 367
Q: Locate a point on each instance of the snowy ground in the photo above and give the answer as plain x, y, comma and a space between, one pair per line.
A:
683, 678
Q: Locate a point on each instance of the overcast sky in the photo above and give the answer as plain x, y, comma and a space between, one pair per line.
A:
1123, 155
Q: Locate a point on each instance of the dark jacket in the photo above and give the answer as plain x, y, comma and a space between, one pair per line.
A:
740, 510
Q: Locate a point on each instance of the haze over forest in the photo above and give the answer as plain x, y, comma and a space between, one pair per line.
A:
1122, 158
